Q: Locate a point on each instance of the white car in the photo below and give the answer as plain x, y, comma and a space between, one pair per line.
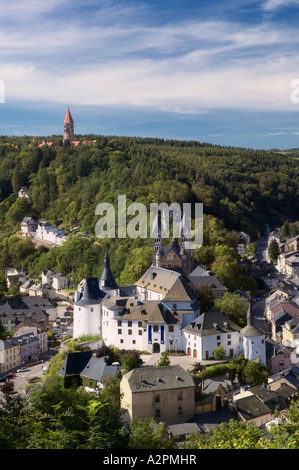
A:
23, 369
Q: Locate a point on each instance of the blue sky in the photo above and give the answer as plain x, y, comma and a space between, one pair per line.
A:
218, 71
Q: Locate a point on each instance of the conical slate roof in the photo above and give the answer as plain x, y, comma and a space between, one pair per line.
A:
91, 292
107, 280
250, 330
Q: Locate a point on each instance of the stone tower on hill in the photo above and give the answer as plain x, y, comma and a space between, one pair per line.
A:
69, 135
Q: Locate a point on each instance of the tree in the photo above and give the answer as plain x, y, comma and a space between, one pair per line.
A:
3, 331
148, 434
130, 361
232, 435
285, 434
205, 297
164, 360
273, 251
234, 307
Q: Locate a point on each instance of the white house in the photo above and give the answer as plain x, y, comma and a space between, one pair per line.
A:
56, 280
50, 233
24, 193
210, 330
28, 226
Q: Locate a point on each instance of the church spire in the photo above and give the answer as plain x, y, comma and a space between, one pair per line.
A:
69, 134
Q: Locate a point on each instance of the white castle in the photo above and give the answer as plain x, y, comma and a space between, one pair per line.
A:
160, 312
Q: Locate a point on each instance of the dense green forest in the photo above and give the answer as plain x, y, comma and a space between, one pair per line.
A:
240, 189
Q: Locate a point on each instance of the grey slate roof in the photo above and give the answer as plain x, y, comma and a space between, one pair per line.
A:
74, 363
18, 307
158, 378
152, 311
211, 323
98, 369
251, 407
91, 292
107, 280
208, 280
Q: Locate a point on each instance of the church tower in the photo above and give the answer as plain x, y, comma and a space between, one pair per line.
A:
69, 135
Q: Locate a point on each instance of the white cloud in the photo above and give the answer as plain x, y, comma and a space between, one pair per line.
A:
183, 67
274, 4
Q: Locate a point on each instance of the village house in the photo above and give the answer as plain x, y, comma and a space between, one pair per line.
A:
87, 370
10, 354
214, 393
50, 233
199, 277
24, 193
162, 393
56, 280
22, 330
209, 331
258, 405
278, 356
28, 227
288, 263
27, 311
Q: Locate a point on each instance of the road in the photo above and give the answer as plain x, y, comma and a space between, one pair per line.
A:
21, 379
259, 318
262, 248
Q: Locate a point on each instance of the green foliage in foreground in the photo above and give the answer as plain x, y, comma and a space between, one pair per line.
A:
52, 417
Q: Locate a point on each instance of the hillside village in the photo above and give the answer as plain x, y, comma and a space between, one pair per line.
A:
160, 314
161, 320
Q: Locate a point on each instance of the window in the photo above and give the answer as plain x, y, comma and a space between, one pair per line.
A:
121, 341
157, 398
155, 328
180, 396
140, 332
118, 322
180, 410
129, 323
119, 331
91, 309
134, 341
129, 332
218, 338
140, 324
157, 413
229, 336
175, 306
229, 343
170, 328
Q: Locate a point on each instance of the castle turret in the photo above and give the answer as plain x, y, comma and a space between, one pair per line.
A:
87, 308
254, 345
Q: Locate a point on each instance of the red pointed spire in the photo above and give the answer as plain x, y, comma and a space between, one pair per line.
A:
68, 118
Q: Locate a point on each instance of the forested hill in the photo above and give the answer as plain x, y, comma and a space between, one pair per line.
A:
243, 188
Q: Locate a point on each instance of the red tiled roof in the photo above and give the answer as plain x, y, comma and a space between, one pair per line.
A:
68, 118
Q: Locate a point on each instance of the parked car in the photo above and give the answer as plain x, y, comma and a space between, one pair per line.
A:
23, 369
33, 379
3, 379
11, 375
